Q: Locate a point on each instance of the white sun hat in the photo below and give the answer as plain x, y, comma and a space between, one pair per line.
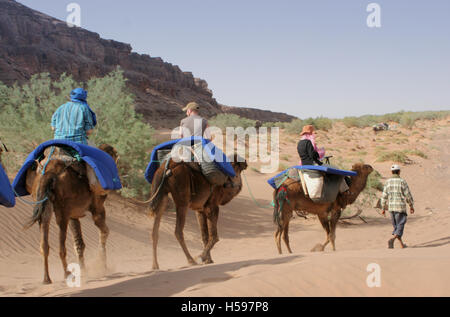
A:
395, 168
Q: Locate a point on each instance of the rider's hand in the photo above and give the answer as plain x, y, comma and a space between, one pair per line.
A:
412, 211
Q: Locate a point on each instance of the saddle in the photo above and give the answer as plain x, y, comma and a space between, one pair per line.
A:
72, 159
193, 157
318, 186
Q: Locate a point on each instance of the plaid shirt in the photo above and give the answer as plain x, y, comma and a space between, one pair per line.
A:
71, 121
396, 195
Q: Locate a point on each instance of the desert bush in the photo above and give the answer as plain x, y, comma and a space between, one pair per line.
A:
296, 126
27, 110
417, 153
225, 120
320, 123
351, 122
394, 156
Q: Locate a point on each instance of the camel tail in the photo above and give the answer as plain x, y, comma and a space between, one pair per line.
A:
43, 205
157, 192
276, 209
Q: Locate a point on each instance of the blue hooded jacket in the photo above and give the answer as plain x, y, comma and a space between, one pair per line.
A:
80, 95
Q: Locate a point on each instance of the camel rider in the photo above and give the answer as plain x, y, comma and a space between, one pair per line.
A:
307, 148
74, 121
310, 154
194, 124
396, 195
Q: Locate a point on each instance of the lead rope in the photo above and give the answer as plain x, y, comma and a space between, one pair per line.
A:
253, 197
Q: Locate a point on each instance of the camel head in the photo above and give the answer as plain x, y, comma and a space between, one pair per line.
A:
111, 151
358, 185
234, 186
239, 164
362, 169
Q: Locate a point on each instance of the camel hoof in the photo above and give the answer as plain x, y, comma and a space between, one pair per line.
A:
208, 261
47, 281
192, 262
318, 248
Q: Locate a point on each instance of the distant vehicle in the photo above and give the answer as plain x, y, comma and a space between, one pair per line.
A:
381, 127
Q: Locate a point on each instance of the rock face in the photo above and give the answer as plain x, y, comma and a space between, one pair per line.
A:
32, 42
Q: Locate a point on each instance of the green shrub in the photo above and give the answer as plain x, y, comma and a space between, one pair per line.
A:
374, 181
320, 123
296, 126
417, 153
351, 122
394, 156
26, 115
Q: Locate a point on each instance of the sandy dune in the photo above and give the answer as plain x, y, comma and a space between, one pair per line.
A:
246, 260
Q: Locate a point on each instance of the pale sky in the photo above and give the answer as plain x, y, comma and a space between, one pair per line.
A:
305, 58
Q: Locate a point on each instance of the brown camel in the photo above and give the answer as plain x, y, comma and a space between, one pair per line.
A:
190, 189
328, 213
69, 194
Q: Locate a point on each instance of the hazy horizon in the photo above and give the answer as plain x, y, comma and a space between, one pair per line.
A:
304, 58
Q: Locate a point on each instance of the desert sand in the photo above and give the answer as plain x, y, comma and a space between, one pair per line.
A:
246, 260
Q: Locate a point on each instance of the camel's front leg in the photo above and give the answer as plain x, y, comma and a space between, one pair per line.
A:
202, 223
181, 220
213, 236
155, 231
326, 225
333, 224
99, 216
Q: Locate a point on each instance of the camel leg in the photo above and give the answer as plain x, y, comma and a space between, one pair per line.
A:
213, 236
326, 225
286, 235
278, 238
333, 224
181, 220
202, 222
99, 217
63, 223
45, 248
79, 245
155, 232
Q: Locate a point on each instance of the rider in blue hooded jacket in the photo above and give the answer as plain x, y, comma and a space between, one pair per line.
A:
74, 121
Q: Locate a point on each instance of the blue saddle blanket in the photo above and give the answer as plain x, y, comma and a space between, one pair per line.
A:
215, 154
7, 197
324, 168
102, 163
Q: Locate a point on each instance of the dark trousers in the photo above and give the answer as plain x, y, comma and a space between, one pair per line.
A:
398, 221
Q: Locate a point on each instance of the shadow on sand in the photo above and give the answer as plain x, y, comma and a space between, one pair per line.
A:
167, 283
433, 244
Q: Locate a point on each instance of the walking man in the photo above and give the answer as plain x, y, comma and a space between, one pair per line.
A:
396, 195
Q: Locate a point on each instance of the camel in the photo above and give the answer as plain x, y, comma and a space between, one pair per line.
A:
190, 189
328, 213
65, 191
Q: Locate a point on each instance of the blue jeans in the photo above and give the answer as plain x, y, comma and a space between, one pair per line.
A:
398, 221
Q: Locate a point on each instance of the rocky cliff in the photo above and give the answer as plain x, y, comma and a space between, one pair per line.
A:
32, 42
